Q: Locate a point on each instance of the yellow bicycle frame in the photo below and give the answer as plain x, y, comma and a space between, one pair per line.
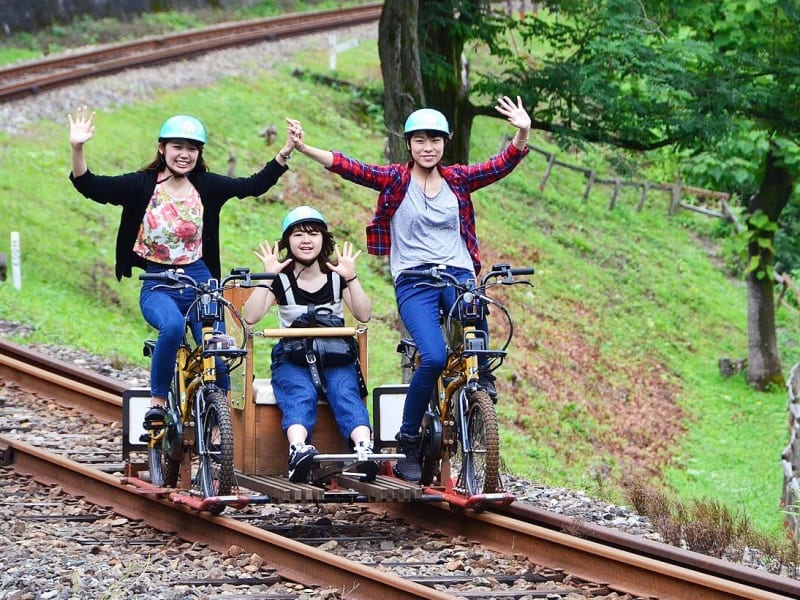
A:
194, 370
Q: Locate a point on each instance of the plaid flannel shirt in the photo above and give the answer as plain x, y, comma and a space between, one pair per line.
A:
392, 182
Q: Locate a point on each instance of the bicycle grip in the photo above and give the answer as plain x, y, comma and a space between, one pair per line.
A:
522, 271
431, 273
154, 277
263, 276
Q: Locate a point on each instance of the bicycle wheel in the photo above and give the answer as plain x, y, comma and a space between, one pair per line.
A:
479, 464
164, 469
164, 457
430, 453
215, 473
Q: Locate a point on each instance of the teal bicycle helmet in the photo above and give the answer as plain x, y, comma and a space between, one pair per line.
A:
302, 214
427, 119
183, 127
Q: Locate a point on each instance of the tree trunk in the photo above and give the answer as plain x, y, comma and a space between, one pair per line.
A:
763, 362
398, 48
442, 32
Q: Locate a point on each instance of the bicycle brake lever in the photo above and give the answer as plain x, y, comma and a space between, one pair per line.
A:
431, 284
520, 281
163, 286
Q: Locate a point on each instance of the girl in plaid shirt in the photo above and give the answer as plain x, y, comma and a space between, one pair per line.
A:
425, 217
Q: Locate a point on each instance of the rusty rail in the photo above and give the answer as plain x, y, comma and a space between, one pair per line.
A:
23, 79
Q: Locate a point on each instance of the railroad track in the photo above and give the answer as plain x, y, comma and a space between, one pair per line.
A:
23, 79
603, 559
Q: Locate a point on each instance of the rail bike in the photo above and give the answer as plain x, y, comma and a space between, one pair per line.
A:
231, 451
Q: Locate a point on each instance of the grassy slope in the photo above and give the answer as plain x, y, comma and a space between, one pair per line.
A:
628, 318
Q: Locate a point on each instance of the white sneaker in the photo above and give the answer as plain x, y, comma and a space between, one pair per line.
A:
363, 451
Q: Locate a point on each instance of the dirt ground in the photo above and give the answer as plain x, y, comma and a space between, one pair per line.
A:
635, 406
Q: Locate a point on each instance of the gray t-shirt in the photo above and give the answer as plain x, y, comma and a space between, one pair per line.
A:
427, 231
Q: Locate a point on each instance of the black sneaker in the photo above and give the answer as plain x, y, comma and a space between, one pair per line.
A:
408, 468
155, 418
301, 459
486, 383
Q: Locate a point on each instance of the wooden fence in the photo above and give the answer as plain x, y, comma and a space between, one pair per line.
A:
680, 196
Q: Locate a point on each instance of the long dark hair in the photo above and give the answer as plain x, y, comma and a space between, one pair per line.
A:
328, 243
159, 163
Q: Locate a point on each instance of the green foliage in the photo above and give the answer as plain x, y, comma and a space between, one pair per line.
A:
734, 163
649, 74
759, 234
645, 76
787, 239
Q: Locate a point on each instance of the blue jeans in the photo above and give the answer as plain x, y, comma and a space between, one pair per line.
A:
297, 397
419, 309
164, 309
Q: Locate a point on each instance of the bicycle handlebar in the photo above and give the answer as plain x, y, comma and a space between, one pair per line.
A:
176, 276
500, 270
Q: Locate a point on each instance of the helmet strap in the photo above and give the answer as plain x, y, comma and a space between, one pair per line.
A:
306, 264
174, 174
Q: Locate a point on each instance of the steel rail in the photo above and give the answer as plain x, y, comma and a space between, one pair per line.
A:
658, 567
621, 568
73, 386
294, 560
23, 79
645, 547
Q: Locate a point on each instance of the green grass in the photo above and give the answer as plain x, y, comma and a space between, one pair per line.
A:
629, 316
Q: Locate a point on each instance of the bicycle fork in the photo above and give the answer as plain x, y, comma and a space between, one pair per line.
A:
458, 377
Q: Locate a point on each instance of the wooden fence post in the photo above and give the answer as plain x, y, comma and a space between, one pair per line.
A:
592, 175
551, 158
675, 199
617, 186
645, 189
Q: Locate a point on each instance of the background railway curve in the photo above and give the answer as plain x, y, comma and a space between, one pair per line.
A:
23, 79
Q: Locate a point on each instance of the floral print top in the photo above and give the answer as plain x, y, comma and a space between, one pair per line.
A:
172, 230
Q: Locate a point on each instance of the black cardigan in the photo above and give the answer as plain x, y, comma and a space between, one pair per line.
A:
132, 191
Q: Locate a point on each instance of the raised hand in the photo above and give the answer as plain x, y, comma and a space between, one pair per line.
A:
81, 126
268, 255
345, 261
515, 113
296, 133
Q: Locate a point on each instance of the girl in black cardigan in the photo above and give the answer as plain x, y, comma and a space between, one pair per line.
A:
170, 218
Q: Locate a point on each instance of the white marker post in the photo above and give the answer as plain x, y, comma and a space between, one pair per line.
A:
16, 271
337, 48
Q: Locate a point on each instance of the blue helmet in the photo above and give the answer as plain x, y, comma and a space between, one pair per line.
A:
183, 127
427, 119
302, 214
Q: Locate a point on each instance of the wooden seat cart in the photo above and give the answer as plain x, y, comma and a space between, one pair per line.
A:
261, 450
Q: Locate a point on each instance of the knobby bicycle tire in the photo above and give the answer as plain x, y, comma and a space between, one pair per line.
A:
164, 467
215, 473
480, 464
430, 452
164, 470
